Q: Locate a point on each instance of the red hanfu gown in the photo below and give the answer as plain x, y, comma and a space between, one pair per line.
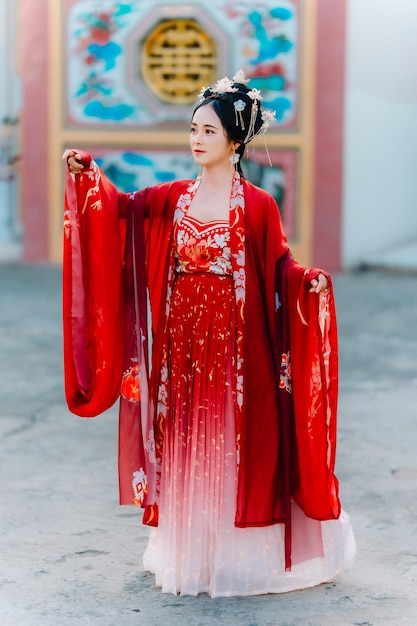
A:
227, 422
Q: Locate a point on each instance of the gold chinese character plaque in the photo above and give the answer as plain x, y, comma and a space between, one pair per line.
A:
178, 58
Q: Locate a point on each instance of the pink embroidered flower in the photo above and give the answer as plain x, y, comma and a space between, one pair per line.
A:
130, 388
196, 255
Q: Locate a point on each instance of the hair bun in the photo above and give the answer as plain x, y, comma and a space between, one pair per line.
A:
238, 107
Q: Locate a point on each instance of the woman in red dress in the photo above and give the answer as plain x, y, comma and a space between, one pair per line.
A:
228, 394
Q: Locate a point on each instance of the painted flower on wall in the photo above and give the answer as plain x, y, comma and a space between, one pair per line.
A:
98, 48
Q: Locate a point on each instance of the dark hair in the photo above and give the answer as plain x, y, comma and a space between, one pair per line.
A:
240, 125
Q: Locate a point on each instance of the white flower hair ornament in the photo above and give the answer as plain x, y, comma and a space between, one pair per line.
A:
225, 89
239, 106
268, 117
255, 94
224, 85
221, 88
201, 95
240, 77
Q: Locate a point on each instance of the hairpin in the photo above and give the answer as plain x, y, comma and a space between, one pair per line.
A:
239, 106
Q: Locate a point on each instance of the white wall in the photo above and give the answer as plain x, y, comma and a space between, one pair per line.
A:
380, 142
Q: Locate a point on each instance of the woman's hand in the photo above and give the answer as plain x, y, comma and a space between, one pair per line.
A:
73, 159
319, 284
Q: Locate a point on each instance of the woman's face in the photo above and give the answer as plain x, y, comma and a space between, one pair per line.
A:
209, 143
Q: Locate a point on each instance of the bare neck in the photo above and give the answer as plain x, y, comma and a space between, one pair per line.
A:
212, 199
217, 178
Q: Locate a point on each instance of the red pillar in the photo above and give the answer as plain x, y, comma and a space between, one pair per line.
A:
33, 49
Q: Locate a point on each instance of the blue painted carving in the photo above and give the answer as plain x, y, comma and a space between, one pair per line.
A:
130, 170
269, 47
98, 56
264, 43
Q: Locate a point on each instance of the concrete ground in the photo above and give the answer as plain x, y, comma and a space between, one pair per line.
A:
69, 555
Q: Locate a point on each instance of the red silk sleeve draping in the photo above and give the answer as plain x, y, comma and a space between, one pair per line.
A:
288, 437
314, 369
148, 247
92, 291
259, 494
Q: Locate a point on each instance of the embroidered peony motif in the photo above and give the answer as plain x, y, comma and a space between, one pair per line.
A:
285, 373
139, 486
195, 255
130, 388
201, 255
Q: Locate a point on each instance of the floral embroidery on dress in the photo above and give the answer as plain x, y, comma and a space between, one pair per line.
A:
130, 388
196, 255
140, 486
150, 447
240, 283
183, 201
163, 391
93, 173
285, 373
237, 244
316, 378
316, 395
205, 251
230, 260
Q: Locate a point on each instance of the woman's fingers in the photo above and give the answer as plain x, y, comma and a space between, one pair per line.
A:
73, 159
67, 153
319, 284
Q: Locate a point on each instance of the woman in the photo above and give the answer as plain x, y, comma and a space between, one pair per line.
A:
228, 405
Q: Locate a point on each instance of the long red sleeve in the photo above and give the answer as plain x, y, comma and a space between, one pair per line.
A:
92, 292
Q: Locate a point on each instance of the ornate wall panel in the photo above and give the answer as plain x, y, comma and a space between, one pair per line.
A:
125, 75
126, 60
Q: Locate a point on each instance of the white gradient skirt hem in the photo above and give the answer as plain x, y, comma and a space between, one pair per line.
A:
250, 561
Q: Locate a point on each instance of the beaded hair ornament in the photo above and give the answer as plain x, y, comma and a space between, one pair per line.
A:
225, 89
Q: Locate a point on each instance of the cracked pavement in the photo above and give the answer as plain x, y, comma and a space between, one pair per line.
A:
69, 555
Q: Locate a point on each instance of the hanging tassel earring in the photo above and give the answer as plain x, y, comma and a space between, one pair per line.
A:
234, 159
